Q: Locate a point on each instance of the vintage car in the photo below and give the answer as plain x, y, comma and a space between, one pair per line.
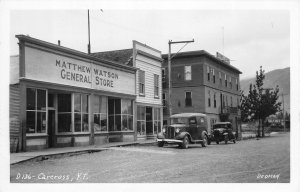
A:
222, 131
185, 129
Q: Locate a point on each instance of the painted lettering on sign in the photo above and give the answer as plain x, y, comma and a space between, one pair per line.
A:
58, 69
105, 78
74, 72
81, 73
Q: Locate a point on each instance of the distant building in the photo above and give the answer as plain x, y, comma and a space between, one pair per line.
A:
202, 83
148, 107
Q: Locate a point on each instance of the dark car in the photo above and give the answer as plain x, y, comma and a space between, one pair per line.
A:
222, 131
185, 129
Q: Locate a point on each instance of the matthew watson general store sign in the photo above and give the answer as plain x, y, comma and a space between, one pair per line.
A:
55, 68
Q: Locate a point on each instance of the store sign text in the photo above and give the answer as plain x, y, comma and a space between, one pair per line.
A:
80, 73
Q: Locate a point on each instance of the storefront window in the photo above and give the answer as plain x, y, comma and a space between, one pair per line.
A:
157, 121
141, 120
36, 111
100, 113
81, 115
114, 114
127, 115
64, 103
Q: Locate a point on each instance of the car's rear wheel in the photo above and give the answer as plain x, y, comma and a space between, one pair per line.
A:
204, 141
208, 141
185, 142
160, 143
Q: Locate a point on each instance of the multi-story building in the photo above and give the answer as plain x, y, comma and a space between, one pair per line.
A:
202, 83
148, 105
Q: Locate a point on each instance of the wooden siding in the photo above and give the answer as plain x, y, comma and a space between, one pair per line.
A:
150, 67
14, 119
14, 70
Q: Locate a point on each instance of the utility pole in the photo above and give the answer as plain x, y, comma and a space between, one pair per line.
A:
169, 69
89, 45
284, 128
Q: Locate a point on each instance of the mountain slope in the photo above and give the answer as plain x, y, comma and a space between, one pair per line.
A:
280, 77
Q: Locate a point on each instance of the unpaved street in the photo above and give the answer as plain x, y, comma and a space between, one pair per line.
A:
264, 160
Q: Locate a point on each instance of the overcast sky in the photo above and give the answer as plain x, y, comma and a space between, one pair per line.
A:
251, 37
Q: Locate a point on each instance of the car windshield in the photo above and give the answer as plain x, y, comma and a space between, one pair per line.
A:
179, 120
216, 126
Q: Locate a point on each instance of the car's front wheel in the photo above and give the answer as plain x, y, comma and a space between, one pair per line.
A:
204, 141
160, 143
185, 142
226, 139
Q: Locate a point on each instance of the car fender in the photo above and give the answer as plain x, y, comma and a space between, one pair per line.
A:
160, 135
182, 134
204, 133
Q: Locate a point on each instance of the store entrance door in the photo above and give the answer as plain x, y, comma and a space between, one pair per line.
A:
51, 120
51, 128
149, 121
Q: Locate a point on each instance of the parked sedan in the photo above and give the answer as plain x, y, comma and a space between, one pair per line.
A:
222, 131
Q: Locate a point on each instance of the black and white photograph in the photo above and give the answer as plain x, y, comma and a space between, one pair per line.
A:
134, 95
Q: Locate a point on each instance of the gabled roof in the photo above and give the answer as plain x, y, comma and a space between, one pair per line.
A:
202, 53
122, 56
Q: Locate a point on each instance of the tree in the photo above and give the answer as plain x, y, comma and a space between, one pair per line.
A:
260, 102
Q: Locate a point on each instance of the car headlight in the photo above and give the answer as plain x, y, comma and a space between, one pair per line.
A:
177, 130
164, 130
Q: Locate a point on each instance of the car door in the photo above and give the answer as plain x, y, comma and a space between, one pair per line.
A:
202, 127
193, 128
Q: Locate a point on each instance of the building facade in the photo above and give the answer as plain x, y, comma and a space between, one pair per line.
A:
62, 97
148, 62
202, 83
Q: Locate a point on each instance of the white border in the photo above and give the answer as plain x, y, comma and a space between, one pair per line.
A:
292, 5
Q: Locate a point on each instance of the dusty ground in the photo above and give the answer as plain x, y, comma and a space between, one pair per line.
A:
250, 161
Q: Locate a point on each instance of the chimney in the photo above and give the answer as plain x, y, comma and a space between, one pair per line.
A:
58, 42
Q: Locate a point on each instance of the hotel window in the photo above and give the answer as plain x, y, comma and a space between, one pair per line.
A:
208, 98
64, 112
230, 101
225, 80
230, 83
156, 86
141, 120
188, 73
188, 99
157, 120
81, 113
214, 77
208, 74
215, 101
226, 101
164, 101
163, 74
142, 82
100, 113
220, 77
237, 85
36, 110
127, 115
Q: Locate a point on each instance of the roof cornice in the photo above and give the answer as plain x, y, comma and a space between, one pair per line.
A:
24, 38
